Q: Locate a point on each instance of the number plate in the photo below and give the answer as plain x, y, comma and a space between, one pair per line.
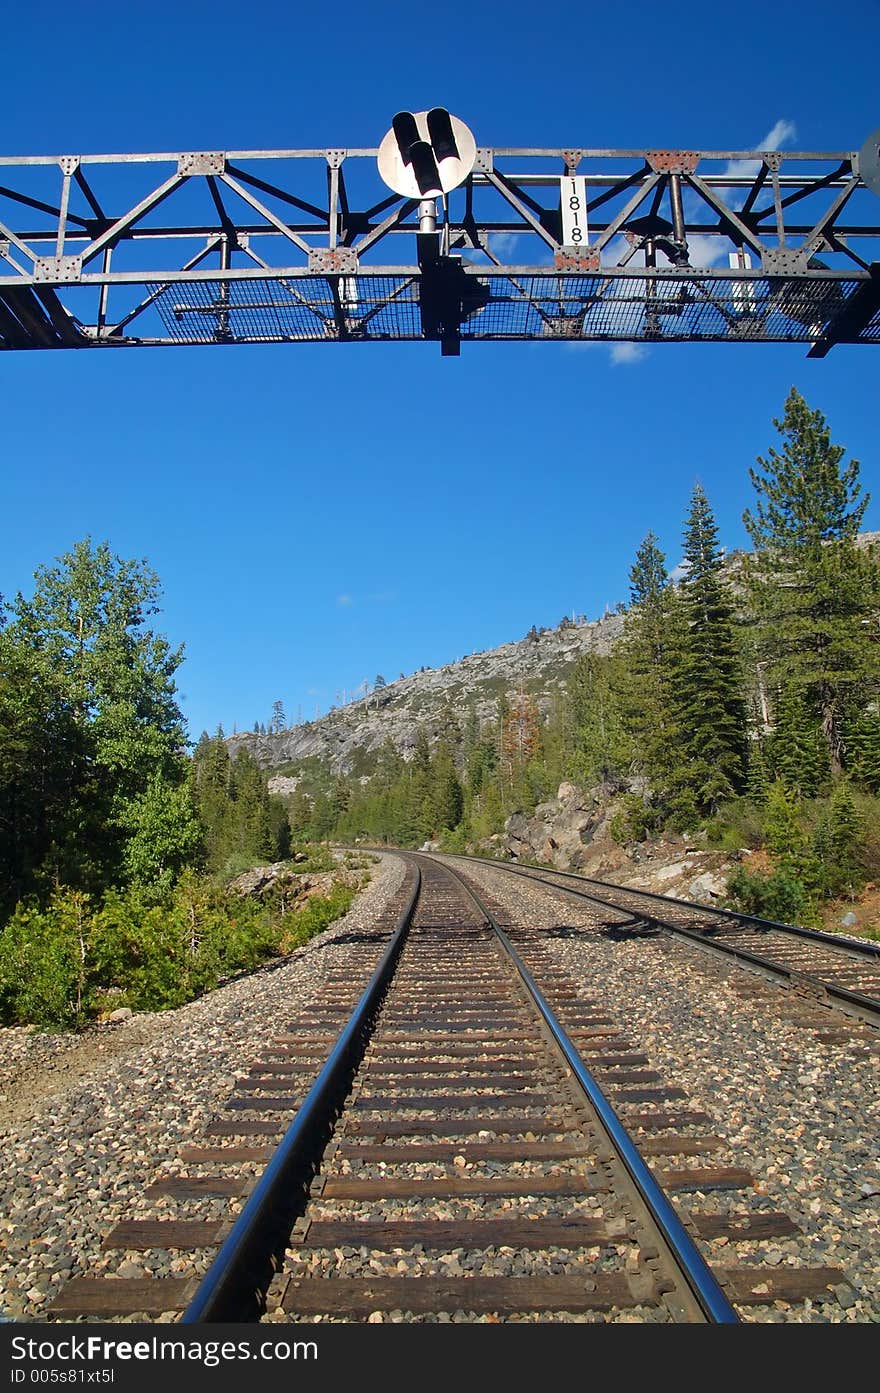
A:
573, 198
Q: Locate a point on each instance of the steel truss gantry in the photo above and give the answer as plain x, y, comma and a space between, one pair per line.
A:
307, 246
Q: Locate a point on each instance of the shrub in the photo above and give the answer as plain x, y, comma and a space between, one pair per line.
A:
59, 966
45, 960
779, 895
737, 824
315, 916
632, 820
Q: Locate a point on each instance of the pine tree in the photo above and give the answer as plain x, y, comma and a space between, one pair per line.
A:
757, 773
814, 590
786, 839
446, 798
846, 829
838, 843
798, 753
597, 746
652, 634
863, 747
522, 734
711, 709
415, 812
300, 813
648, 578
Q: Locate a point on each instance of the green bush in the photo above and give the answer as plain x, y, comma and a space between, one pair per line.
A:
779, 895
61, 965
455, 840
44, 962
737, 824
315, 916
633, 820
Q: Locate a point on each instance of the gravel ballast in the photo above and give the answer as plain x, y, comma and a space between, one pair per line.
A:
801, 1114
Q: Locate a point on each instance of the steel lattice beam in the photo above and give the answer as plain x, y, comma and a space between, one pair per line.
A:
286, 246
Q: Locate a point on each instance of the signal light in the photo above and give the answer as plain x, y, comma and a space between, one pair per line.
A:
406, 133
424, 167
426, 153
441, 134
417, 154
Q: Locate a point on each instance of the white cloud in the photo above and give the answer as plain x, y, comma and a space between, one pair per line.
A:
705, 251
778, 135
775, 138
627, 353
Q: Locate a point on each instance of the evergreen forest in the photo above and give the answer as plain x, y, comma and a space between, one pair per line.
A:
742, 705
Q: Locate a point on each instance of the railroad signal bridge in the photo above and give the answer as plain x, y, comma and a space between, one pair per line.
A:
314, 246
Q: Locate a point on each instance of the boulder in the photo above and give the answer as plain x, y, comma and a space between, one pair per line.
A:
255, 881
707, 887
567, 791
661, 875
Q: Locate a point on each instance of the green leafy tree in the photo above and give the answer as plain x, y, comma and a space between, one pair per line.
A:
105, 681
50, 827
164, 833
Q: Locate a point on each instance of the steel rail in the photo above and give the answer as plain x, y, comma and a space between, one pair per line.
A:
229, 1289
866, 1008
857, 949
698, 1275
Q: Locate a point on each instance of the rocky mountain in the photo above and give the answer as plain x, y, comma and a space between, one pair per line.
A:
348, 738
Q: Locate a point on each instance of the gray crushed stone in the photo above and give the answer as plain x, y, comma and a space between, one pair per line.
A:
801, 1114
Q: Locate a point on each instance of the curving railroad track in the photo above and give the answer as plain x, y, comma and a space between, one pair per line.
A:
453, 1128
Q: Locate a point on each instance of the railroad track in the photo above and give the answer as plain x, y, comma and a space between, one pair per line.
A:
481, 1141
832, 970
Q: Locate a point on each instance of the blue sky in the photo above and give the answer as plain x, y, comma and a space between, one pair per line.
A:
320, 515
